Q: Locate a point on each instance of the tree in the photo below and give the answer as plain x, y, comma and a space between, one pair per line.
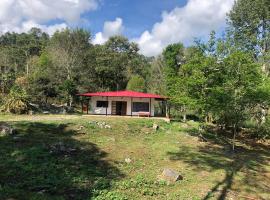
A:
127, 52
235, 96
7, 72
110, 69
136, 83
250, 27
67, 51
156, 79
174, 58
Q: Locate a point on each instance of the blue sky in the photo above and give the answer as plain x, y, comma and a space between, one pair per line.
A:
137, 15
152, 24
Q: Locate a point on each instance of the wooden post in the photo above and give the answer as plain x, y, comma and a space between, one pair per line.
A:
82, 104
150, 107
167, 110
107, 106
87, 107
131, 106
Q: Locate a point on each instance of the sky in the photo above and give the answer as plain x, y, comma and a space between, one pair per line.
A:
153, 24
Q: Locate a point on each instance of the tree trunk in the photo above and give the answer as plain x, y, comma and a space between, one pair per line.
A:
234, 135
70, 101
184, 113
184, 117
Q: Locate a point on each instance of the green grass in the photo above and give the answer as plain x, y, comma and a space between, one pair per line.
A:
92, 165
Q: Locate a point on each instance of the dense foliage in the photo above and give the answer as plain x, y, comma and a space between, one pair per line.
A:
56, 68
225, 81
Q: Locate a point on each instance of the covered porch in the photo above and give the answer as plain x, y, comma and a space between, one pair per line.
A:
124, 103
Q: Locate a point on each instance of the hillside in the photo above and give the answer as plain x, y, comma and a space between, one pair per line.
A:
74, 157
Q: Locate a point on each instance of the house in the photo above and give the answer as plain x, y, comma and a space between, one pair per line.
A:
128, 103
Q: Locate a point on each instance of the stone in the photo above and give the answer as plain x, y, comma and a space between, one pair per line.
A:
46, 112
184, 125
100, 124
201, 138
170, 176
60, 147
80, 128
128, 160
155, 127
6, 130
107, 126
63, 111
16, 138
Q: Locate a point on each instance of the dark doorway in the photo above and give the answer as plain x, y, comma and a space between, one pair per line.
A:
119, 108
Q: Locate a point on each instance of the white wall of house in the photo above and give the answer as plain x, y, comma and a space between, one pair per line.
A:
98, 110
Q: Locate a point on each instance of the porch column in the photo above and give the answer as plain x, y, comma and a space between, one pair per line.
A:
87, 107
167, 109
131, 108
150, 108
107, 106
82, 104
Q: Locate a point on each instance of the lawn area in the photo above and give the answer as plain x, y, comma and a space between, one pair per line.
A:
70, 157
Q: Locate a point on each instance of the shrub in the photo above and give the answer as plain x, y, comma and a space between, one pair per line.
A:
17, 101
263, 131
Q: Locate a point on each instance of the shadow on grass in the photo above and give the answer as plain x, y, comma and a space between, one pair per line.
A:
44, 161
247, 162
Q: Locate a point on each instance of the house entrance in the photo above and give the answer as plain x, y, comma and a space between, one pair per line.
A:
119, 108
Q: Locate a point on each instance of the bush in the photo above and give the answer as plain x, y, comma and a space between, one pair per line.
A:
17, 101
263, 131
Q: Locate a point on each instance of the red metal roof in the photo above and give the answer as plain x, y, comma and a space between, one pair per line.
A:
125, 93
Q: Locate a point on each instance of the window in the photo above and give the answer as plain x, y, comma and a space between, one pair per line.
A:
140, 107
102, 104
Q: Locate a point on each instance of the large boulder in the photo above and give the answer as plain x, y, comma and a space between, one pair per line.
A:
170, 176
6, 129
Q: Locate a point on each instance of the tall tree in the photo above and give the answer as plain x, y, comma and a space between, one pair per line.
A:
238, 91
67, 50
136, 83
174, 59
249, 22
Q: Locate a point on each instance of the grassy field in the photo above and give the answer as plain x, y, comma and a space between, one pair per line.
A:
71, 157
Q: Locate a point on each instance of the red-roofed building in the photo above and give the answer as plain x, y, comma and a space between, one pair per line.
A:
129, 103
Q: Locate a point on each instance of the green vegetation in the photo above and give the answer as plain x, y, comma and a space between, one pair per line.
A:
136, 83
223, 83
53, 157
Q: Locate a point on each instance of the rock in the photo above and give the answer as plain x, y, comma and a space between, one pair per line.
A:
107, 126
80, 128
63, 111
155, 127
60, 147
201, 138
168, 120
170, 176
6, 130
128, 160
46, 112
184, 125
100, 124
16, 138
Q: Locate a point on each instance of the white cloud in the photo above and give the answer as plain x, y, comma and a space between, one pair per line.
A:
196, 19
19, 15
110, 28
